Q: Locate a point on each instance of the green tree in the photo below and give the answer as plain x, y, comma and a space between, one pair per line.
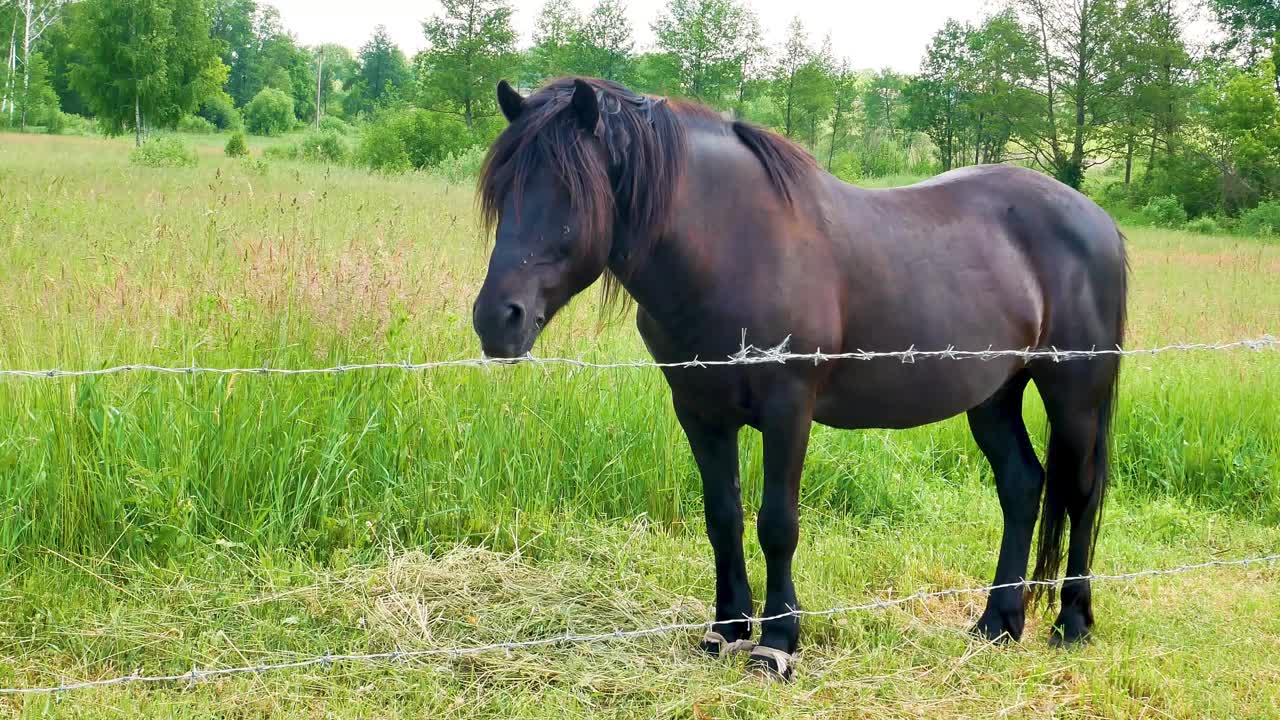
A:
603, 46
844, 96
792, 57
554, 35
1252, 29
1078, 74
472, 47
146, 62
708, 45
382, 73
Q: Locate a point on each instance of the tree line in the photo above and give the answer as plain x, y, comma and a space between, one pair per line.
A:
1064, 86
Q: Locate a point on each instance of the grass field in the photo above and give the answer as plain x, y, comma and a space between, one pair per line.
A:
160, 522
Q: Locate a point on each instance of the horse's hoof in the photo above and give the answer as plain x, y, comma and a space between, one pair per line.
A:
1073, 628
999, 627
771, 663
718, 646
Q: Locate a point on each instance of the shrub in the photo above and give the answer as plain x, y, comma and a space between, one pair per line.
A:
326, 146
163, 152
462, 165
221, 111
283, 151
236, 145
1205, 224
417, 139
270, 112
383, 150
1116, 194
1262, 221
255, 166
197, 125
335, 124
1165, 211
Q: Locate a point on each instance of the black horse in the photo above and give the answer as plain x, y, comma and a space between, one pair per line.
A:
714, 226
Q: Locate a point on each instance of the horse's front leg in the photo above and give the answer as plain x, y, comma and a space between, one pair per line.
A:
785, 424
715, 449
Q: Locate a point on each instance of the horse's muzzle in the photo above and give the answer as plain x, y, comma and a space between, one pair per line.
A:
506, 328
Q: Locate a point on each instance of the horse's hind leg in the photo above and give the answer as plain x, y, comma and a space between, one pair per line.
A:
998, 429
1078, 399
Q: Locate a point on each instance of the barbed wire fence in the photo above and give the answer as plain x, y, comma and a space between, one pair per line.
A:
197, 675
747, 355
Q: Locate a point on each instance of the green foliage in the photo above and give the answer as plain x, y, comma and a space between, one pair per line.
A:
705, 47
472, 42
196, 125
236, 145
269, 113
145, 62
1205, 225
1165, 211
36, 101
163, 152
220, 111
337, 125
1262, 221
413, 139
255, 166
262, 54
461, 167
326, 146
382, 75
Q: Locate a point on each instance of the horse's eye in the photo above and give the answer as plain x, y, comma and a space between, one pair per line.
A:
565, 230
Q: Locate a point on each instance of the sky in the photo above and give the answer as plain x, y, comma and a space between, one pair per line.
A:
872, 34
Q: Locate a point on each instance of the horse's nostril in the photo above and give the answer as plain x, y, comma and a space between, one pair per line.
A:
515, 314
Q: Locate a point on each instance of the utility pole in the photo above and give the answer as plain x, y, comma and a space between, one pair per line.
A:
319, 81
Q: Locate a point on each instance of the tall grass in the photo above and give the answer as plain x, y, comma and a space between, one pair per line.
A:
102, 263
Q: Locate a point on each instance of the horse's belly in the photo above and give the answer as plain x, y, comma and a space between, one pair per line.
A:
890, 394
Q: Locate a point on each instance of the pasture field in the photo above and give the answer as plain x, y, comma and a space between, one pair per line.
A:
154, 522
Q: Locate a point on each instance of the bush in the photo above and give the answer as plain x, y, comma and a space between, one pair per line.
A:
236, 145
335, 124
416, 139
383, 150
163, 152
461, 166
283, 151
326, 146
1116, 195
71, 124
221, 111
255, 166
1262, 221
196, 125
1165, 211
270, 112
1194, 181
1206, 225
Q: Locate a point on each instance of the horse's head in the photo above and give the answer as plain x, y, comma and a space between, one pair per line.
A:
546, 190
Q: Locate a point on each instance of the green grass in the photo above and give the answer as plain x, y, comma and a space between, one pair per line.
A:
247, 501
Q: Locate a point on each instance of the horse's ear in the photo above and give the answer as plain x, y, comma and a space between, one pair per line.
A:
585, 105
511, 102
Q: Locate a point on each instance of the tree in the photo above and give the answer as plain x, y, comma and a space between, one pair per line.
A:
882, 100
1077, 74
935, 99
335, 68
709, 44
146, 62
472, 46
382, 73
844, 94
31, 18
555, 31
1253, 29
793, 56
603, 46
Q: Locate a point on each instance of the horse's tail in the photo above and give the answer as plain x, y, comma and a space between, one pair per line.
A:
1053, 510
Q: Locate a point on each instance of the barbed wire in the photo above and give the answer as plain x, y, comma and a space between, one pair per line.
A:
747, 355
196, 675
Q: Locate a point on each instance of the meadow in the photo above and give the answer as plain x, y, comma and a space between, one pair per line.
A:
160, 522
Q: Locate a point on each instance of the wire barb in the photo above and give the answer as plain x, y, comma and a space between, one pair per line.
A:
398, 656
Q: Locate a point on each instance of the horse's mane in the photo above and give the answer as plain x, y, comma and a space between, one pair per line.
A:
646, 139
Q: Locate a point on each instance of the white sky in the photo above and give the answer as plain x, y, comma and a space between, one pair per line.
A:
871, 33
